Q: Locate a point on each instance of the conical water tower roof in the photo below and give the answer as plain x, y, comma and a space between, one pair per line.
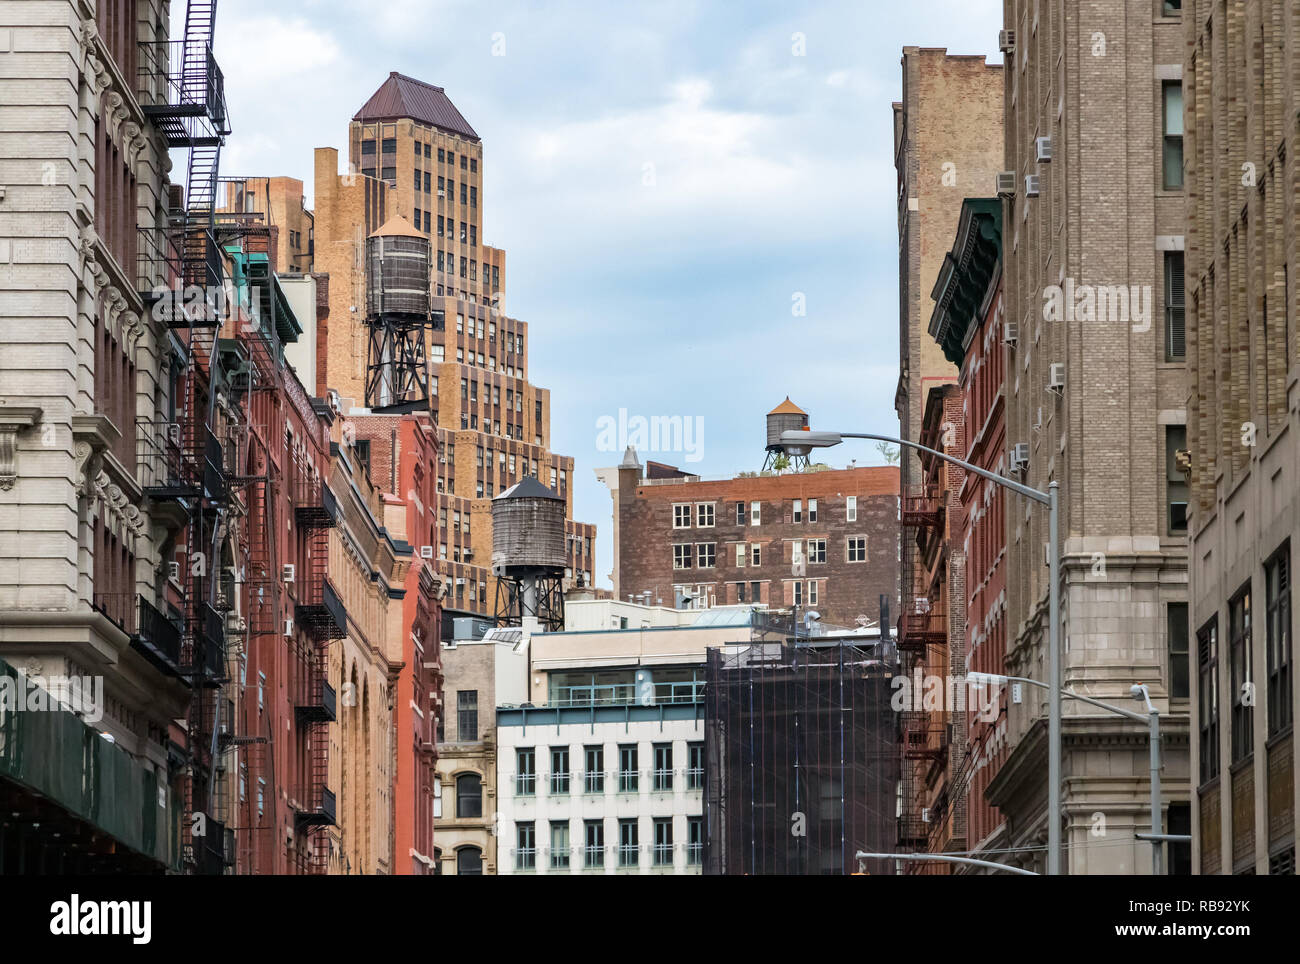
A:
529, 488
397, 226
787, 408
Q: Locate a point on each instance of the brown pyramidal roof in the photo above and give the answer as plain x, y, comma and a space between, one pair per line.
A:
397, 226
401, 97
787, 408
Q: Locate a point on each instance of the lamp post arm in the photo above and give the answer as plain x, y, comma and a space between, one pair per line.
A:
949, 859
1140, 717
1014, 486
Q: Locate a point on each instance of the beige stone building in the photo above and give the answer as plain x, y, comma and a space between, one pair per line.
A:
279, 204
1240, 61
368, 560
1095, 392
482, 673
82, 361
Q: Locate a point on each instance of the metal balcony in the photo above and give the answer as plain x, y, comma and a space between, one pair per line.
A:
319, 812
925, 737
168, 470
320, 705
321, 612
916, 631
314, 505
215, 850
190, 92
922, 508
157, 638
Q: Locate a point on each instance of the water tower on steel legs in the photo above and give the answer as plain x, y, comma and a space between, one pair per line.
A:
786, 417
397, 314
528, 557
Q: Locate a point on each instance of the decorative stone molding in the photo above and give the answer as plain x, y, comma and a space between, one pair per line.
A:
13, 421
92, 436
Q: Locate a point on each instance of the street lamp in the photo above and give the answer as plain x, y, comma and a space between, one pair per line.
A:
803, 441
1152, 719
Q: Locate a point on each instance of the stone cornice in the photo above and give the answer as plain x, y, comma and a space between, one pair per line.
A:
122, 307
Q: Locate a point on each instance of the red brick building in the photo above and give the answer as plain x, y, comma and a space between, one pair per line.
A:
973, 338
824, 540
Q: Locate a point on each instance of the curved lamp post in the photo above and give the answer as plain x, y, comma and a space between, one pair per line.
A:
803, 441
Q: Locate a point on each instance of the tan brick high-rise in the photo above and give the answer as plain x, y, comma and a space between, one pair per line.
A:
1092, 235
413, 156
1240, 66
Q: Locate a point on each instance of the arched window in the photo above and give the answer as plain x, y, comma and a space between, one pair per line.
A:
469, 795
469, 861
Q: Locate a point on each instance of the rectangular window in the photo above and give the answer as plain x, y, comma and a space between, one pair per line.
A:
663, 777
755, 556
1179, 687
466, 715
559, 769
1242, 680
594, 778
707, 555
851, 509
812, 510
525, 772
857, 549
1277, 586
812, 592
594, 836
704, 515
1175, 330
740, 556
627, 769
628, 847
682, 556
816, 551
559, 844
798, 594
755, 513
1207, 696
797, 512
682, 516
1172, 92
663, 854
1176, 489
740, 513
695, 771
694, 841
755, 592
525, 846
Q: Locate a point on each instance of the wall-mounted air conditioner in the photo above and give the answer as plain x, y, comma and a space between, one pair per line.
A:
1056, 376
288, 627
1010, 332
426, 552
1006, 41
1043, 149
1031, 185
288, 572
174, 571
1019, 456
1006, 183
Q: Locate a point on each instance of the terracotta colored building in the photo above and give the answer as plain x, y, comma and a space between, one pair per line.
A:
823, 540
401, 452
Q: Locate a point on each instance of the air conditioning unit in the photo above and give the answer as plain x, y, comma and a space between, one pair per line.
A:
174, 571
442, 192
288, 626
1056, 376
467, 554
925, 815
1006, 183
1010, 332
174, 433
1019, 456
287, 572
1043, 148
426, 552
235, 623
1006, 41
1031, 185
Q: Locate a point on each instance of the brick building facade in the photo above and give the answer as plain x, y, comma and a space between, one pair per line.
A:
1240, 62
823, 540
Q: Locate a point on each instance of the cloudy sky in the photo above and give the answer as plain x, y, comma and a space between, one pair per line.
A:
671, 182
